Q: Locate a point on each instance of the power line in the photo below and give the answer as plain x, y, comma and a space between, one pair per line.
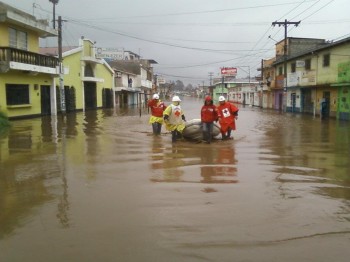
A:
153, 41
211, 11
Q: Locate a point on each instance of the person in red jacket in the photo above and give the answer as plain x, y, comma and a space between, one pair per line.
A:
157, 109
228, 114
209, 114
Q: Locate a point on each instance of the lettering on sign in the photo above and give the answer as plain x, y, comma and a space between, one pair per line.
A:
229, 71
110, 53
300, 63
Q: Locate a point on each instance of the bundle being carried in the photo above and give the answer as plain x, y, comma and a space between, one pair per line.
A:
193, 130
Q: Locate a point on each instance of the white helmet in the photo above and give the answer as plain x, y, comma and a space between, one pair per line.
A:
155, 96
221, 98
176, 99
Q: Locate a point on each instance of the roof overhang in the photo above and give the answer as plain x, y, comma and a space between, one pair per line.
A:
14, 16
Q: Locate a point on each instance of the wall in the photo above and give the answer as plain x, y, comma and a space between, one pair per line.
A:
15, 77
74, 77
339, 54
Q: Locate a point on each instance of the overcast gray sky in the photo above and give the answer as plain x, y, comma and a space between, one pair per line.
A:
191, 38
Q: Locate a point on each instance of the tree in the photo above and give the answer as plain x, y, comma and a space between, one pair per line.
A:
179, 85
189, 88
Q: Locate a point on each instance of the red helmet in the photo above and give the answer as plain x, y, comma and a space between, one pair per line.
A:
207, 98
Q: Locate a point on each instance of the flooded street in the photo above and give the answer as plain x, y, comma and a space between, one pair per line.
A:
98, 186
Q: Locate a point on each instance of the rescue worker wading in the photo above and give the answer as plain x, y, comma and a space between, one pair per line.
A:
157, 109
228, 113
209, 114
174, 119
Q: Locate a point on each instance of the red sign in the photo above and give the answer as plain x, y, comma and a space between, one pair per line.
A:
229, 71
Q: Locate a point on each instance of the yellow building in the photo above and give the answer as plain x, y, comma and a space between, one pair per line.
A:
26, 77
88, 81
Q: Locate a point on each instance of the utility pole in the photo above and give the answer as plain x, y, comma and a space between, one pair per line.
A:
222, 84
211, 74
60, 63
54, 3
285, 24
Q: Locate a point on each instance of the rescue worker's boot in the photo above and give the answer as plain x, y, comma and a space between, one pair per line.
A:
159, 128
173, 136
205, 138
178, 135
229, 133
154, 128
223, 135
209, 138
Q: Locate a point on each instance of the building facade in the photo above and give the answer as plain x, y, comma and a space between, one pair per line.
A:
313, 78
89, 81
27, 78
318, 80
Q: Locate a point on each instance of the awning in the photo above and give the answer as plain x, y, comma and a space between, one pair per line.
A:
131, 89
341, 84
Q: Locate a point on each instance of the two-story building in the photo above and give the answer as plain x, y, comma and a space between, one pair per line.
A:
275, 72
88, 81
318, 80
126, 89
133, 81
27, 78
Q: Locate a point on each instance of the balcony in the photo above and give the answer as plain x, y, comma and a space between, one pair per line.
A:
17, 59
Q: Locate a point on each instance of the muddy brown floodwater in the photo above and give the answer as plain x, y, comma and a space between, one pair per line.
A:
97, 186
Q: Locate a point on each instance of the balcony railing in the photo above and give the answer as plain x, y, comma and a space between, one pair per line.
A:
8, 54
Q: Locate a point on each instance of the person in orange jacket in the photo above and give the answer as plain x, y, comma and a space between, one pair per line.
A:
209, 114
228, 114
157, 109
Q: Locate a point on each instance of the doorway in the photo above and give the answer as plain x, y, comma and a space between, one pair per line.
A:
45, 100
293, 101
90, 95
325, 104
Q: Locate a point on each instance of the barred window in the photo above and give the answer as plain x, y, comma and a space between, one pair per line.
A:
280, 70
308, 64
17, 94
293, 67
326, 60
18, 39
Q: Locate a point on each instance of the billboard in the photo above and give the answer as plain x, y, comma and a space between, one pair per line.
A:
161, 80
228, 71
110, 53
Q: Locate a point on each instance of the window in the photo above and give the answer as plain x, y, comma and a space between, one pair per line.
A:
89, 71
308, 64
17, 94
18, 39
280, 71
326, 60
293, 67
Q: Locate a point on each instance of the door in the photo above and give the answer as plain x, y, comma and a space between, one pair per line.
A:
90, 95
293, 101
325, 104
306, 101
280, 101
45, 100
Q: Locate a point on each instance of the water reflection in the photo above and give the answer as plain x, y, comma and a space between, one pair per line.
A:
309, 151
33, 169
28, 171
219, 165
193, 163
101, 174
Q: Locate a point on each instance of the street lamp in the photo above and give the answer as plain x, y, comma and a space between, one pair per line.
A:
54, 3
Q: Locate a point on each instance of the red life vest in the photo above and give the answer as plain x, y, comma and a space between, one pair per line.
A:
157, 107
